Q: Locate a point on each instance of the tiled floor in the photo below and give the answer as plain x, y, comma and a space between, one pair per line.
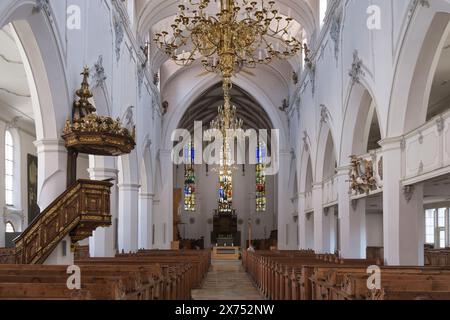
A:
227, 281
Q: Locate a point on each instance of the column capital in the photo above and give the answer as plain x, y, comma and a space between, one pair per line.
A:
392, 143
317, 186
50, 145
343, 171
147, 196
103, 173
129, 187
285, 153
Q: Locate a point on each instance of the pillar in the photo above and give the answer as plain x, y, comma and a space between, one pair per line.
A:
403, 213
286, 232
321, 222
302, 223
52, 177
330, 213
352, 216
163, 217
52, 167
103, 242
2, 183
128, 217
145, 220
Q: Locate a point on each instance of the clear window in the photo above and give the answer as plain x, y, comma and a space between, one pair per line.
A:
9, 168
429, 226
323, 10
10, 228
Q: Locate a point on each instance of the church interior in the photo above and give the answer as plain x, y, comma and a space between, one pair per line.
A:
225, 150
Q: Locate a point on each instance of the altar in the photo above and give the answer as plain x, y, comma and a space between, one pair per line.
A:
225, 230
226, 253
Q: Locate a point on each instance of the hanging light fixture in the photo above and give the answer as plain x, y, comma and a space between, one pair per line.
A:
243, 33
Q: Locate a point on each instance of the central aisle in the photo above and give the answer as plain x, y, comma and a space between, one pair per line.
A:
227, 281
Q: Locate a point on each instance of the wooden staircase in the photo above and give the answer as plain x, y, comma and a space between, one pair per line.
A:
80, 210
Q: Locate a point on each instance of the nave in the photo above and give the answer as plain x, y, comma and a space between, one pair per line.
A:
117, 182
227, 281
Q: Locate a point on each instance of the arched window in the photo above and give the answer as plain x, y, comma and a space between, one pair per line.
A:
10, 228
261, 201
322, 11
9, 169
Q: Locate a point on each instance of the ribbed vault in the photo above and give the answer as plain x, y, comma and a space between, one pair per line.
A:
205, 109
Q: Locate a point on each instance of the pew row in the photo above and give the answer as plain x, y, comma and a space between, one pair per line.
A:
302, 275
168, 275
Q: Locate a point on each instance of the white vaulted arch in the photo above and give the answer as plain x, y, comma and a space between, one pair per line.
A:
201, 86
39, 47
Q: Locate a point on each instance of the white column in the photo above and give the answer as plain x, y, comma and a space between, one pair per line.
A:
157, 226
403, 213
2, 183
52, 171
128, 217
331, 214
352, 220
163, 218
321, 225
302, 223
145, 221
52, 177
103, 241
286, 231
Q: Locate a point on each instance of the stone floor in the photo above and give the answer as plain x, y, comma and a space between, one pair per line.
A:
227, 281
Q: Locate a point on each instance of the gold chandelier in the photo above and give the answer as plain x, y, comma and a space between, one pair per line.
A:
243, 33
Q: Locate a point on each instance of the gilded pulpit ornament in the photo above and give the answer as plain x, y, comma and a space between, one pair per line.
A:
92, 134
362, 179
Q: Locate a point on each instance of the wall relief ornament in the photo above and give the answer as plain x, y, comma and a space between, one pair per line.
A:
335, 34
415, 4
324, 114
408, 192
356, 70
362, 179
119, 35
98, 73
43, 6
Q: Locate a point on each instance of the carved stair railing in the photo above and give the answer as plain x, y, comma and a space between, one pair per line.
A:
80, 210
7, 256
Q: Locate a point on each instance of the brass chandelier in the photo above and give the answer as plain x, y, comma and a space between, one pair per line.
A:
243, 33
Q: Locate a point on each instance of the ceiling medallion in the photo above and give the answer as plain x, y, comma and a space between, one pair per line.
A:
92, 134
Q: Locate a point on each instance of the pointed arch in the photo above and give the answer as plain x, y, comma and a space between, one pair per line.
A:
326, 153
357, 122
40, 51
416, 66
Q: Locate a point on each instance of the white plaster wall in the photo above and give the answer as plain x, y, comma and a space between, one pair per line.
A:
374, 229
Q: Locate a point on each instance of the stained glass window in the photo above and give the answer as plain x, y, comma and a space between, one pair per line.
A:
261, 201
9, 169
225, 190
189, 178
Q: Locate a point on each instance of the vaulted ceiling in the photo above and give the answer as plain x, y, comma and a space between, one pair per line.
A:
205, 109
15, 99
156, 15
